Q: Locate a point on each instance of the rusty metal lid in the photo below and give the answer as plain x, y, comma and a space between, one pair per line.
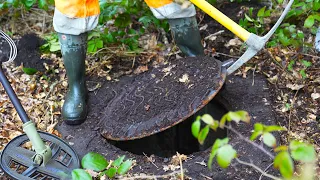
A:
151, 102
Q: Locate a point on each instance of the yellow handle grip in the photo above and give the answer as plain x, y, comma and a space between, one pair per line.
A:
222, 19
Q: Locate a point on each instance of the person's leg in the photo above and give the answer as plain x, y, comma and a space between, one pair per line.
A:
73, 49
73, 40
183, 25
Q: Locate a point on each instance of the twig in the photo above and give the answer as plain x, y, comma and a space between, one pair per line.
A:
181, 168
265, 170
152, 177
250, 142
274, 60
51, 89
258, 169
254, 70
149, 159
296, 53
205, 176
227, 55
293, 101
43, 24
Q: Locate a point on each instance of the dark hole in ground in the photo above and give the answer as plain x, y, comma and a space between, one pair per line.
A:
178, 138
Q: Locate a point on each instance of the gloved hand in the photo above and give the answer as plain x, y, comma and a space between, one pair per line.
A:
184, 3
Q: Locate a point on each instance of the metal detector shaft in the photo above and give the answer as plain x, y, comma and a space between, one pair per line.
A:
13, 97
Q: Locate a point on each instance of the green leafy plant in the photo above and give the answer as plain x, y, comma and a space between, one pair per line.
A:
52, 43
43, 4
255, 25
288, 34
299, 66
225, 153
101, 167
120, 15
121, 22
29, 71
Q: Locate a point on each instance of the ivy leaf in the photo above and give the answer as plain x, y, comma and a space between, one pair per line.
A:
203, 134
123, 20
43, 4
80, 174
303, 73
258, 129
261, 12
273, 128
248, 18
225, 155
208, 119
118, 161
302, 152
28, 3
284, 162
269, 139
195, 127
29, 71
223, 121
215, 125
146, 20
54, 46
309, 22
124, 167
94, 161
255, 134
281, 148
238, 116
111, 172
306, 63
217, 144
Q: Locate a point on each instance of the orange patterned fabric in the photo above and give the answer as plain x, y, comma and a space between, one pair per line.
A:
78, 8
157, 3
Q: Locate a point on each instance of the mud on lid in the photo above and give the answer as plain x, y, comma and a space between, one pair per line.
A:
160, 98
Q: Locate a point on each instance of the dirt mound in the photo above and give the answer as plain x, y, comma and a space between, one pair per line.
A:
28, 55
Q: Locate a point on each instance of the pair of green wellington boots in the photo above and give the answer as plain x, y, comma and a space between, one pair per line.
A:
73, 47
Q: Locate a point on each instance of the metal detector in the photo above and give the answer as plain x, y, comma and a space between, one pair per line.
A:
48, 158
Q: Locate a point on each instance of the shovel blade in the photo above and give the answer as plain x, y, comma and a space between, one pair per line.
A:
243, 59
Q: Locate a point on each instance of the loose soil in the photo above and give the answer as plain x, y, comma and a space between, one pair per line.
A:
28, 55
252, 93
238, 94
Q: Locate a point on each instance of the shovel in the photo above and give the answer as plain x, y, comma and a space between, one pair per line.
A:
254, 42
124, 117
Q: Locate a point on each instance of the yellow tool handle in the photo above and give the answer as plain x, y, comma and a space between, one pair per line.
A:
222, 19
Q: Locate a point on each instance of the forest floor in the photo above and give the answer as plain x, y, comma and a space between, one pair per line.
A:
263, 87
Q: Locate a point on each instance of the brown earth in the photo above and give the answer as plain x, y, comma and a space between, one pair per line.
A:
253, 93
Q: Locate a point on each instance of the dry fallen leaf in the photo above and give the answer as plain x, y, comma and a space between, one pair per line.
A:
202, 163
234, 42
184, 78
315, 96
140, 69
176, 159
170, 167
294, 86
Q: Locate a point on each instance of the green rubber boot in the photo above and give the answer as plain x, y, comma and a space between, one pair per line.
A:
74, 48
187, 36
